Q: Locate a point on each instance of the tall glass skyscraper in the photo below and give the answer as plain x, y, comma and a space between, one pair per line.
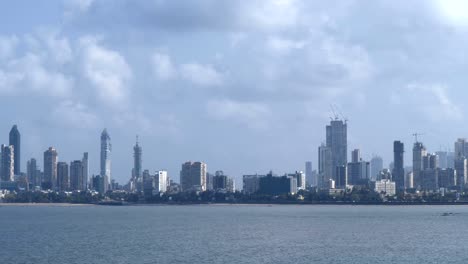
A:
15, 141
106, 149
137, 165
337, 141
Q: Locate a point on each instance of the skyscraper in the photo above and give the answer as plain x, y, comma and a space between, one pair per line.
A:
50, 169
310, 180
15, 141
325, 166
193, 176
419, 152
106, 149
376, 165
461, 147
63, 177
137, 165
355, 155
84, 162
32, 173
398, 171
337, 141
7, 163
76, 176
358, 171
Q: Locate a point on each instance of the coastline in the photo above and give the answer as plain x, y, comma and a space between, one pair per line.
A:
45, 204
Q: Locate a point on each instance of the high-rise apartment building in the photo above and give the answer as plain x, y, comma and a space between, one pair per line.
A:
76, 176
398, 172
7, 163
85, 163
419, 152
50, 168
106, 149
337, 141
137, 166
193, 176
376, 166
325, 166
33, 173
63, 177
15, 141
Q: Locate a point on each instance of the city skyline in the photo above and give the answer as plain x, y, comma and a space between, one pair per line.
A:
70, 71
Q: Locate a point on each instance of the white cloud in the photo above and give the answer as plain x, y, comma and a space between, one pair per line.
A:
284, 45
272, 15
353, 58
30, 73
58, 47
204, 75
107, 71
253, 115
430, 100
75, 115
163, 66
452, 12
7, 46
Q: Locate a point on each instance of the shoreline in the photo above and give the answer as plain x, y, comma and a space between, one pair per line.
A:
231, 204
46, 204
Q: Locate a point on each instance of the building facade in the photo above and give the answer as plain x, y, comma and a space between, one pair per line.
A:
7, 168
193, 176
50, 169
15, 141
63, 177
106, 149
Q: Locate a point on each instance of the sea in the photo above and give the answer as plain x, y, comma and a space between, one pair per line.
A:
234, 234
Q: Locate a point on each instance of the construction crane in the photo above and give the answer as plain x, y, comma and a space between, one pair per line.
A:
415, 135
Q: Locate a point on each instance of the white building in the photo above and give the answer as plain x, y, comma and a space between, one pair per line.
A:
106, 149
385, 186
162, 180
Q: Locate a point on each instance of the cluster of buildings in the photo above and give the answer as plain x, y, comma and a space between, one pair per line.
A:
442, 171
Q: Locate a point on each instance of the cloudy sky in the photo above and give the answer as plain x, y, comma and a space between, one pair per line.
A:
245, 86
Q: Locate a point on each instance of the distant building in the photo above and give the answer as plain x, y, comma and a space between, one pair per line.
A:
7, 167
15, 141
98, 183
251, 183
376, 166
63, 177
163, 181
220, 181
137, 166
311, 178
33, 173
447, 178
106, 149
193, 176
337, 141
325, 166
358, 171
386, 187
76, 176
409, 180
341, 177
300, 179
419, 152
398, 172
461, 167
276, 185
461, 148
443, 164
50, 169
84, 162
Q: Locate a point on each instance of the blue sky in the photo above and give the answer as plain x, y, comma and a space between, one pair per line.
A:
245, 86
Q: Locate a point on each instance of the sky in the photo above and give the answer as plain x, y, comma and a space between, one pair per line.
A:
245, 86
